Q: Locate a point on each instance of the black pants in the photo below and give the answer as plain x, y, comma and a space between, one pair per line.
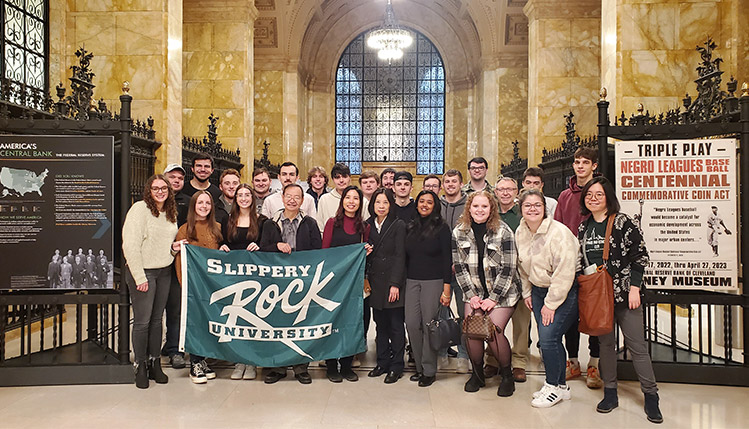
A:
391, 338
173, 310
572, 342
367, 317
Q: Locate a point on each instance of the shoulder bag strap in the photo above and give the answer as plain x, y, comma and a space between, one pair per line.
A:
609, 227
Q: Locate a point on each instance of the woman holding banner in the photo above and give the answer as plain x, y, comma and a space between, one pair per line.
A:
242, 231
201, 229
290, 230
147, 234
347, 227
386, 271
626, 264
428, 276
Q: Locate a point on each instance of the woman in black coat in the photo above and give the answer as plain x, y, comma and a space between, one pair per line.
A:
386, 271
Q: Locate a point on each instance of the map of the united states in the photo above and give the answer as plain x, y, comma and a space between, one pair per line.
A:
18, 182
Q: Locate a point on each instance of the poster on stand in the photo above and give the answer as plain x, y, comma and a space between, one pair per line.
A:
684, 195
56, 212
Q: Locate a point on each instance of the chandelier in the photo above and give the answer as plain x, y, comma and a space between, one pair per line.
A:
389, 39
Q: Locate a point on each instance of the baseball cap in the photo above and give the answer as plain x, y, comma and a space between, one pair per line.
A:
172, 167
403, 175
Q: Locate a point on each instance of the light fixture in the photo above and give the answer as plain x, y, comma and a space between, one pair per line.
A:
389, 39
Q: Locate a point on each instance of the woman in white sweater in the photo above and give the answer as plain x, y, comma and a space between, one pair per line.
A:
547, 258
148, 247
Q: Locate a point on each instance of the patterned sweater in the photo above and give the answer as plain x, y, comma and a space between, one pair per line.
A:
547, 258
627, 253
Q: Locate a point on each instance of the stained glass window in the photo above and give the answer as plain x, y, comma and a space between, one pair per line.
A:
391, 112
24, 42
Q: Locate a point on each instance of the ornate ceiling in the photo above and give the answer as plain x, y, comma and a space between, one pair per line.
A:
309, 35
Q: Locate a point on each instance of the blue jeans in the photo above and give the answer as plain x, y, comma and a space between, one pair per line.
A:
550, 337
458, 293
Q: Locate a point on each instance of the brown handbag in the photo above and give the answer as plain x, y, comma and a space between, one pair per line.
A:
596, 295
479, 327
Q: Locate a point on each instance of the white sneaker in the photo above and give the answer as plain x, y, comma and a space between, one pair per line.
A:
550, 396
462, 367
443, 362
566, 395
250, 372
238, 372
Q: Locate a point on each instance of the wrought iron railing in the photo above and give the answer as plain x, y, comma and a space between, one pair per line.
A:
223, 158
696, 342
100, 350
517, 165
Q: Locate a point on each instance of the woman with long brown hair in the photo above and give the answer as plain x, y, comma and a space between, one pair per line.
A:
485, 259
147, 236
242, 231
201, 230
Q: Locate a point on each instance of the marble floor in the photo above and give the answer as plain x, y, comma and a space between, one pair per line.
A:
368, 403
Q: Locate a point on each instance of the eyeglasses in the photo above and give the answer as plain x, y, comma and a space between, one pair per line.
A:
293, 198
537, 206
159, 189
598, 196
506, 190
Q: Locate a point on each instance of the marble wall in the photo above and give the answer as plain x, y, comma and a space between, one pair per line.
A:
269, 114
655, 48
130, 42
512, 111
217, 73
564, 70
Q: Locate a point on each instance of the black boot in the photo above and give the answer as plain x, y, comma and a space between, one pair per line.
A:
610, 400
651, 408
155, 373
477, 379
507, 384
141, 375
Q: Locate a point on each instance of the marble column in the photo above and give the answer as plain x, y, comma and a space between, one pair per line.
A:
512, 110
218, 72
649, 52
135, 41
563, 69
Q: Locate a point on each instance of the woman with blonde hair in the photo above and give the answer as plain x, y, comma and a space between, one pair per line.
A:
485, 260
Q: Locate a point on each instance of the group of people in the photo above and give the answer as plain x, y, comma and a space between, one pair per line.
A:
496, 251
78, 271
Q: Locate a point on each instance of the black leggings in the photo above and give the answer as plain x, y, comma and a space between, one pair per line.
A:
499, 345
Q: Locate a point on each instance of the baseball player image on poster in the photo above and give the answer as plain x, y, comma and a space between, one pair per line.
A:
715, 228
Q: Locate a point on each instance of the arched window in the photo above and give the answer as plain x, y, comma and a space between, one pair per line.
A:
391, 112
24, 57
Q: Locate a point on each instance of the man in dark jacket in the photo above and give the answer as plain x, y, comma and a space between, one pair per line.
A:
290, 230
175, 175
568, 212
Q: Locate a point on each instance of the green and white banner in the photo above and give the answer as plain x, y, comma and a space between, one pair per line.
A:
272, 309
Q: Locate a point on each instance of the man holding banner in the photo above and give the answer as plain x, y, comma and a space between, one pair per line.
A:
273, 309
288, 231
